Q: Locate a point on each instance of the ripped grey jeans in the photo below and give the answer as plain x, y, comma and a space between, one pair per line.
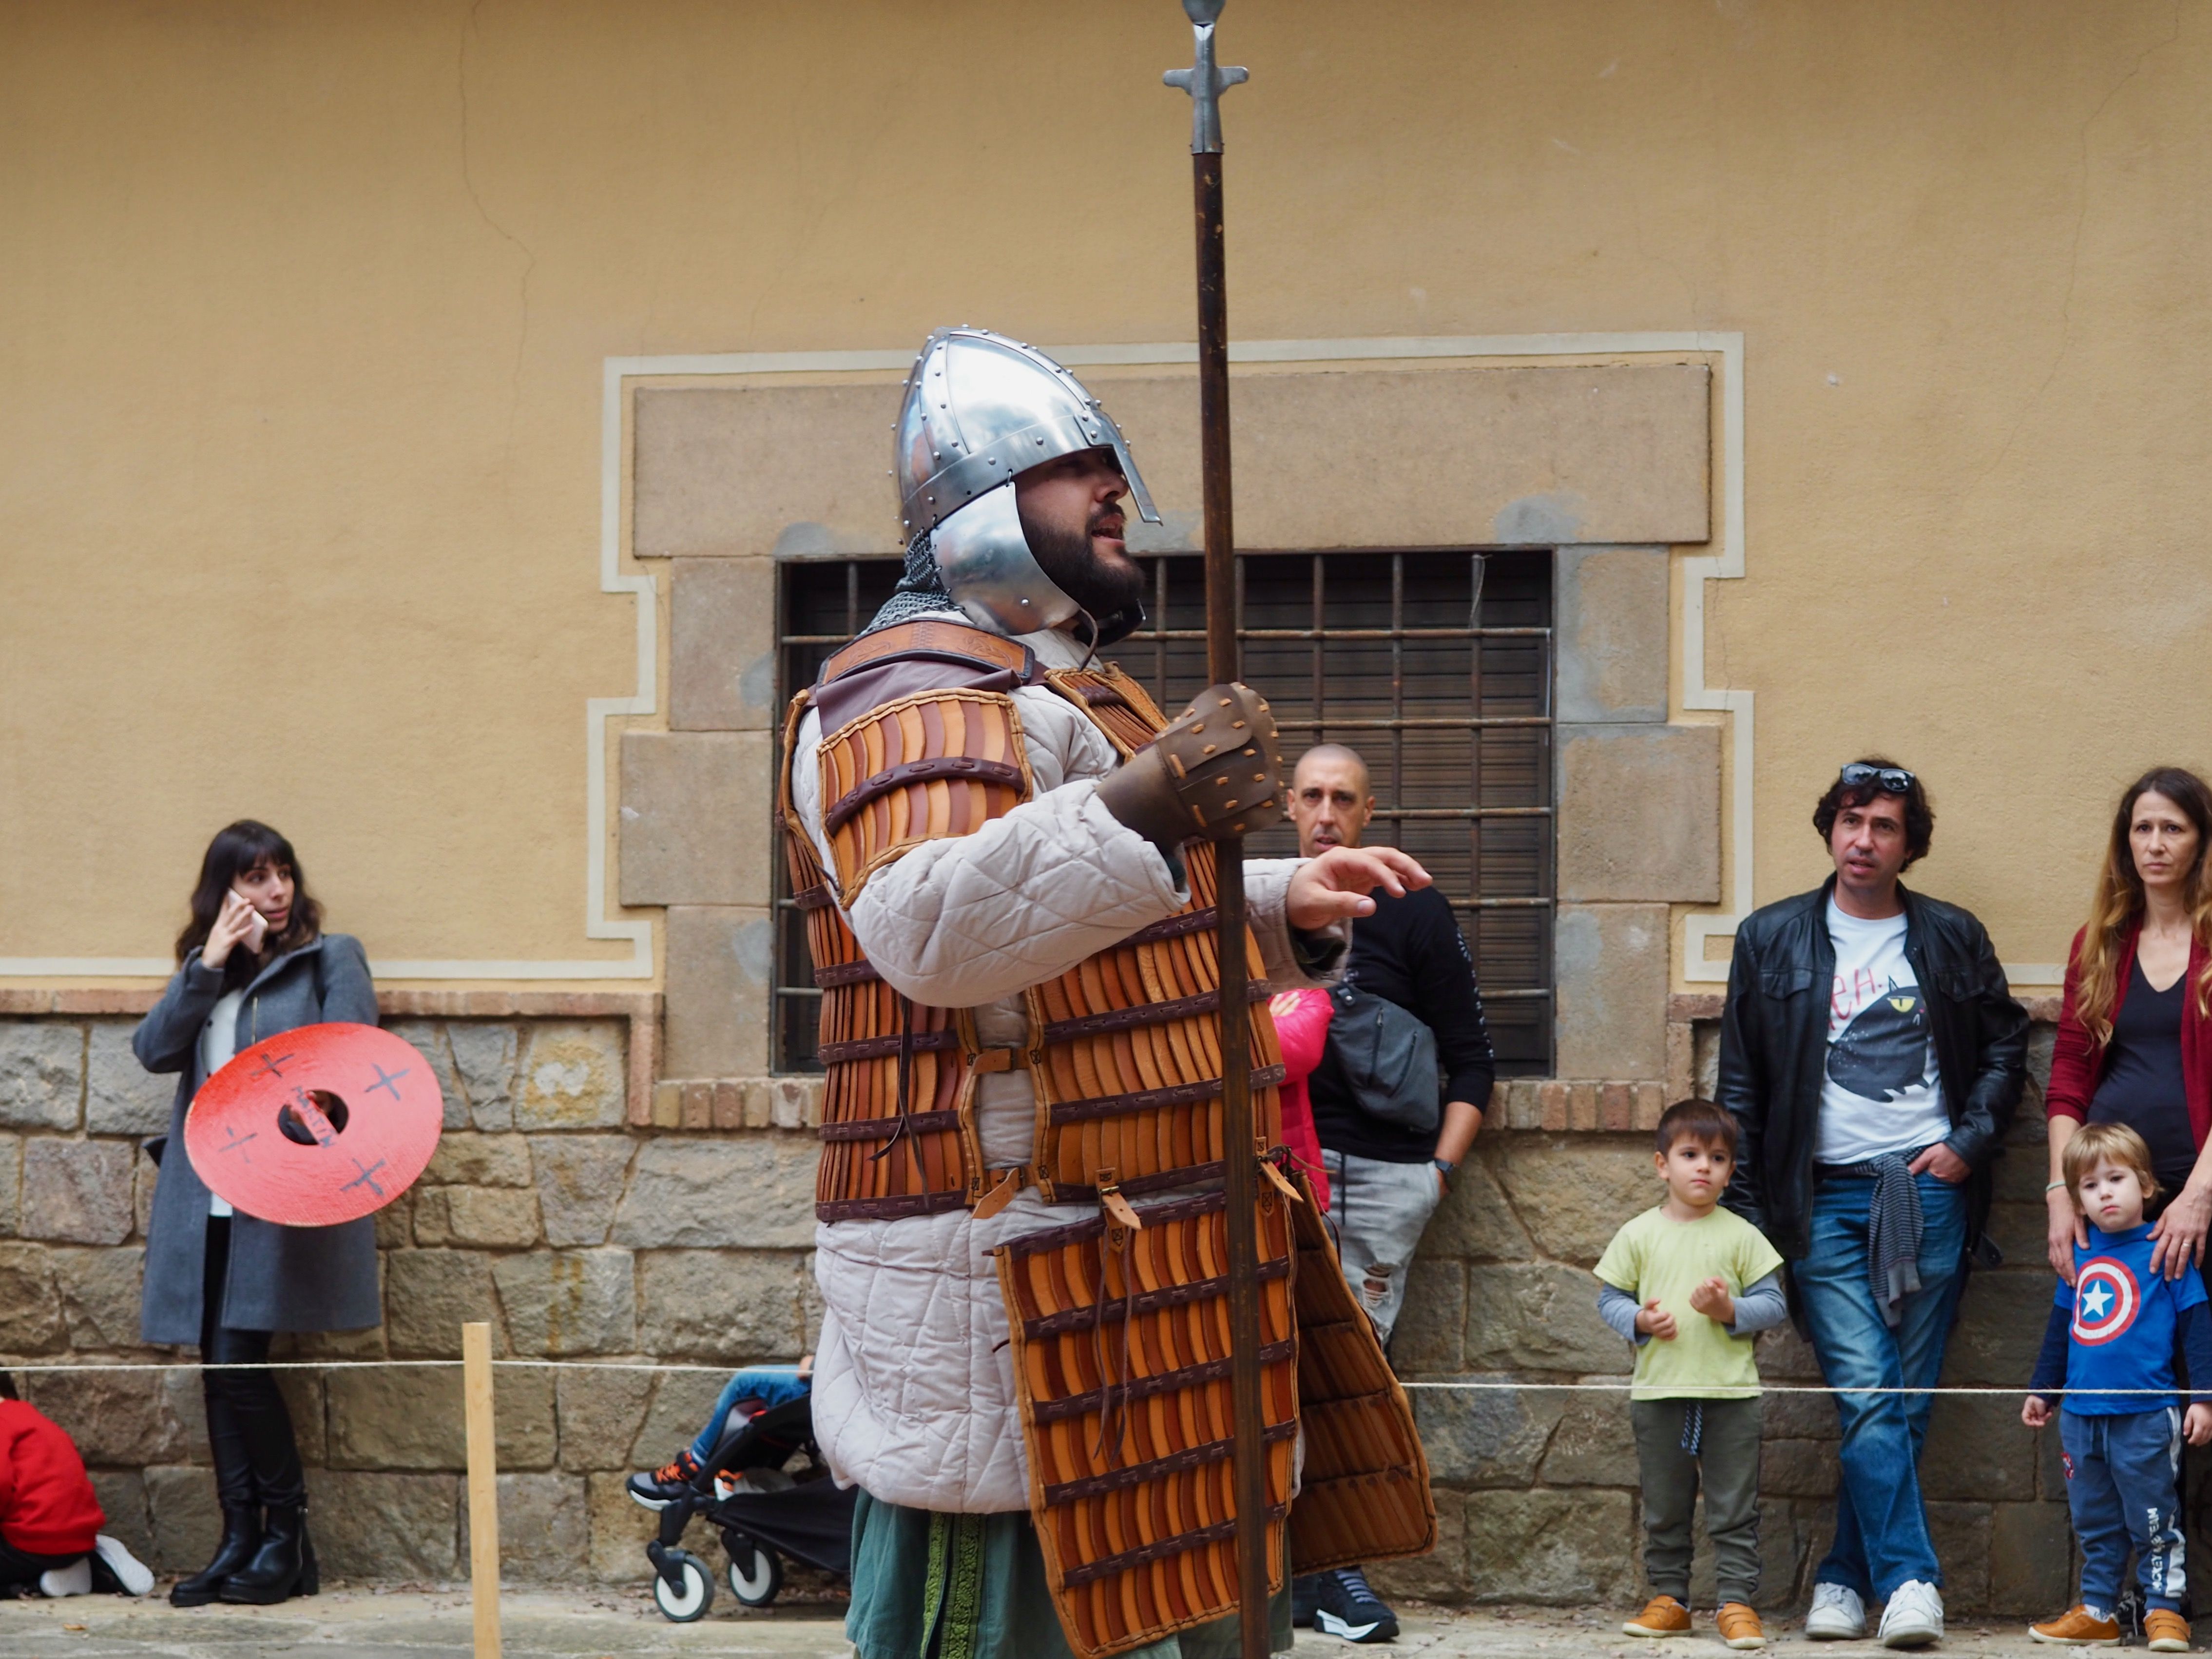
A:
1380, 1210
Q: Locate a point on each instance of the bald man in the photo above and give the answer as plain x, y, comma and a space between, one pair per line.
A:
1386, 1179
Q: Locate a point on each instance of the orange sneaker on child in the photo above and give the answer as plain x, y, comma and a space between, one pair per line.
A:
2165, 1630
2075, 1628
1663, 1616
1739, 1626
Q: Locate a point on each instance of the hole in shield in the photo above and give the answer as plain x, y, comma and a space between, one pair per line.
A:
295, 1128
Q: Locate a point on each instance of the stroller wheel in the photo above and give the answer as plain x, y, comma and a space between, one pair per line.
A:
755, 1574
682, 1606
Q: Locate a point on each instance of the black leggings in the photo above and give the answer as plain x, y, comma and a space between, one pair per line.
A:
257, 1462
19, 1569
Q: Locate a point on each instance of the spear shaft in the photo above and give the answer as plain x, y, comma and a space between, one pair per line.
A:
1205, 82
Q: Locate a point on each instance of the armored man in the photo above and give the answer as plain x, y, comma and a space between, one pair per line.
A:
1006, 858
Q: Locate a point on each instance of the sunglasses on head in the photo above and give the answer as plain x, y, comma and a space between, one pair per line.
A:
1890, 779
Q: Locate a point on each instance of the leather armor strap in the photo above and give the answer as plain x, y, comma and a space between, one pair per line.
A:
882, 1048
1080, 1232
1161, 1180
882, 1128
950, 642
1148, 1013
1132, 1474
1144, 1302
1220, 1533
969, 766
895, 1208
846, 972
1182, 922
1143, 1100
1143, 1387
817, 898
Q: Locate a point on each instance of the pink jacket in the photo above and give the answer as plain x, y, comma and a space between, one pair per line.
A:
1302, 1030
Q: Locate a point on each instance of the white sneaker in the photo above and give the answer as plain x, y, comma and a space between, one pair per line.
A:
1914, 1615
74, 1579
127, 1569
1837, 1615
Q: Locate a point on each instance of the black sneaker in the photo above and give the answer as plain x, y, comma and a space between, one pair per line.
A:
665, 1484
1344, 1606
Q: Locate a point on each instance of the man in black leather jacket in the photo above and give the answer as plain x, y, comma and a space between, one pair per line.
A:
1872, 1057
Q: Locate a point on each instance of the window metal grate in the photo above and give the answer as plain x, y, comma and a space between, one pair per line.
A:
1436, 666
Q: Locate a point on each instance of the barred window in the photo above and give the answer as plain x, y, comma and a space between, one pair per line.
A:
1436, 666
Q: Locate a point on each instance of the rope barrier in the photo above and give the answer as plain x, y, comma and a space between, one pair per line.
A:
1611, 1385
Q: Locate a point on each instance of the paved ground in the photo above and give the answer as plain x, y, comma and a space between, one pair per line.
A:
590, 1624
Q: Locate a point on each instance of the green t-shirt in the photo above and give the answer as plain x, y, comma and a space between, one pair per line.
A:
1653, 1256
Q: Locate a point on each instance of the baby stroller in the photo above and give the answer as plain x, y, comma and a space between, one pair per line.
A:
775, 1512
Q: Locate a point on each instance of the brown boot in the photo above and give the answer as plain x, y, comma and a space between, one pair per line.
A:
2165, 1630
1739, 1626
2075, 1628
1663, 1616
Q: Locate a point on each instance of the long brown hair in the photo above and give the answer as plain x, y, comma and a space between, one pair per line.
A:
2118, 903
236, 849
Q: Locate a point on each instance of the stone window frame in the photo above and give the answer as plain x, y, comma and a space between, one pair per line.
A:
1145, 655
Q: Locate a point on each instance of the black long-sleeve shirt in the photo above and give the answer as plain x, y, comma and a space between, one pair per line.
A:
1411, 952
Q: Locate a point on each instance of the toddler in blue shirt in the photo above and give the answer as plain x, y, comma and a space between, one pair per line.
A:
2108, 1350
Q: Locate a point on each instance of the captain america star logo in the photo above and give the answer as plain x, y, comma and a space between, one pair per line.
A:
2105, 1299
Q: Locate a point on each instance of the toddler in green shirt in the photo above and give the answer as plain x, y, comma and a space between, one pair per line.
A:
1691, 1285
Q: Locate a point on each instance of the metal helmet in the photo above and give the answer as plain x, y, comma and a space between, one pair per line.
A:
980, 409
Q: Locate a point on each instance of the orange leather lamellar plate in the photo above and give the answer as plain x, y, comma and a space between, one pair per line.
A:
1129, 1071
1122, 1358
1363, 1494
877, 1162
1116, 704
918, 768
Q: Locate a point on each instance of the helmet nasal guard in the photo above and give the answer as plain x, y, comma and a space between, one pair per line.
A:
979, 411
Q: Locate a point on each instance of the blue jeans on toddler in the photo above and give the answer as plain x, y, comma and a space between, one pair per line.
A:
2122, 1473
1881, 1525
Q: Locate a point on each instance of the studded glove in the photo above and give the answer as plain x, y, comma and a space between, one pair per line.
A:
1215, 772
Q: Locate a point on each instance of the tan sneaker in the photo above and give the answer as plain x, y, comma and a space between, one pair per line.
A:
1739, 1626
2075, 1628
2167, 1630
1663, 1616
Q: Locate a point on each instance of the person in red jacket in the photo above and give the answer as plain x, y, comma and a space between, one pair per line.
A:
50, 1539
2134, 1043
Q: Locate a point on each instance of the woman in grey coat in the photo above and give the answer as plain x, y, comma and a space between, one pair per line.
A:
254, 963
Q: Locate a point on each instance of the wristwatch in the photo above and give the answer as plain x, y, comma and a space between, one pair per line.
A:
1444, 1167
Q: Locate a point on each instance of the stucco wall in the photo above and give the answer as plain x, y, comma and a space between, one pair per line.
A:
306, 311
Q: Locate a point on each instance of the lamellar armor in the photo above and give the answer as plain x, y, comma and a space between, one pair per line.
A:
1119, 1318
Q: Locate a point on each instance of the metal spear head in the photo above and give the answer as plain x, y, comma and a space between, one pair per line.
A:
1203, 80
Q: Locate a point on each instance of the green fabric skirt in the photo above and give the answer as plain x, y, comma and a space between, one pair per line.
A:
930, 1586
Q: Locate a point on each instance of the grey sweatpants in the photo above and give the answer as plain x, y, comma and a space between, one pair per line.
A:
1380, 1210
1726, 1463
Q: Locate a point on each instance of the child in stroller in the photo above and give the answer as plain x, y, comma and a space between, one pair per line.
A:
742, 1486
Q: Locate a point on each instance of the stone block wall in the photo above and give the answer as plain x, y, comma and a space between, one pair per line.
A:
581, 1233
1536, 1489
575, 1234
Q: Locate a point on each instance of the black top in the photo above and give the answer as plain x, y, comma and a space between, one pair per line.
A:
2141, 1083
1411, 952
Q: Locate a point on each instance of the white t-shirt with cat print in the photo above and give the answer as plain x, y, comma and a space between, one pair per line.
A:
1881, 1091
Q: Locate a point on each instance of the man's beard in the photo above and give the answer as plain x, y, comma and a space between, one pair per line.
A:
1076, 569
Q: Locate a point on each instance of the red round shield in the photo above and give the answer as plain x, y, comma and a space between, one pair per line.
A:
323, 1124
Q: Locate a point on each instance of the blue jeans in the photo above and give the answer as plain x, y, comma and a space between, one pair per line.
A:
1881, 1525
2121, 1476
772, 1385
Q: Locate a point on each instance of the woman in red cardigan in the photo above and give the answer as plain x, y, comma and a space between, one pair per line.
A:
2135, 1030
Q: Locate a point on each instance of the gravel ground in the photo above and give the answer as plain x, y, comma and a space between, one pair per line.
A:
434, 1624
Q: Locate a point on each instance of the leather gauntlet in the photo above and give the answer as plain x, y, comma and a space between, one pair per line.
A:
1215, 772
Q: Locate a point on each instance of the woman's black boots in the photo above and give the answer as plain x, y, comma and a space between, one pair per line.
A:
241, 1540
284, 1566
